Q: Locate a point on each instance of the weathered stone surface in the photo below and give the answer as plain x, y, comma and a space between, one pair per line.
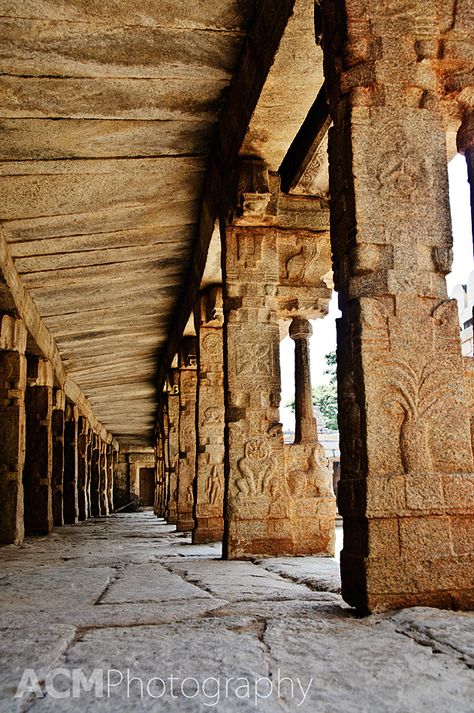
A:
71, 466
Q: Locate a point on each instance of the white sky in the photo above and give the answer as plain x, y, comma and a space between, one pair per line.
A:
324, 330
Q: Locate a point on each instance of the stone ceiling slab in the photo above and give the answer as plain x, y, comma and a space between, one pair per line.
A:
108, 112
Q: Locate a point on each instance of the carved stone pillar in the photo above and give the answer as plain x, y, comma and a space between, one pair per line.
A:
406, 489
158, 506
88, 468
305, 428
279, 499
103, 504
71, 501
466, 147
171, 513
121, 480
83, 468
95, 476
13, 337
110, 477
187, 434
209, 506
59, 406
37, 473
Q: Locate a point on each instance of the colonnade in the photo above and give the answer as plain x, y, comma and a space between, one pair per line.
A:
55, 469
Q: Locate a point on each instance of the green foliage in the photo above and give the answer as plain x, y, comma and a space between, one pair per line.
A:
325, 398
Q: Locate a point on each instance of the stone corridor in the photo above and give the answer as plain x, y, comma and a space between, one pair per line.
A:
129, 594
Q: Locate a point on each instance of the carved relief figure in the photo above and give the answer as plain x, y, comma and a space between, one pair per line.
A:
416, 391
256, 470
299, 265
214, 489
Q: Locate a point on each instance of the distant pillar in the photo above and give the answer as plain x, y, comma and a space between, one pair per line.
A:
59, 406
466, 146
103, 504
187, 434
171, 513
71, 506
83, 468
37, 474
110, 478
13, 337
305, 423
209, 505
95, 475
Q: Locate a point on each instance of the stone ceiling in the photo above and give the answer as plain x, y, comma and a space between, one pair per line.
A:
108, 111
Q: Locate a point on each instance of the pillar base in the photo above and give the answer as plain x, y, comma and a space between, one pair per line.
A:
208, 530
419, 531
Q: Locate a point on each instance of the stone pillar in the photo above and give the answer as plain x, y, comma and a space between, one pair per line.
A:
103, 504
95, 475
209, 506
466, 146
13, 338
83, 468
171, 512
121, 480
407, 483
305, 423
279, 499
88, 467
110, 478
71, 502
37, 473
158, 506
59, 406
187, 433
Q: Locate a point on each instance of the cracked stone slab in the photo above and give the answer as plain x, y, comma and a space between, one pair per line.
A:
322, 574
239, 581
51, 588
366, 665
443, 631
150, 583
217, 648
28, 646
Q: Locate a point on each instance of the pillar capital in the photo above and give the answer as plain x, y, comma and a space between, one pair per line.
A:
300, 328
13, 334
59, 400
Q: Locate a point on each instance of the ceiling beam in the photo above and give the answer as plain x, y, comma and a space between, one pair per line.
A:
306, 143
258, 53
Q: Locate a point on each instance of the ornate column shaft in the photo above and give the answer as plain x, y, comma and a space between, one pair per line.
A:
466, 146
187, 434
110, 478
95, 476
406, 461
103, 504
171, 512
37, 473
13, 336
305, 428
71, 501
58, 419
83, 468
209, 505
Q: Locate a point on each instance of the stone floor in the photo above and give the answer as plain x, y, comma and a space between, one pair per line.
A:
127, 597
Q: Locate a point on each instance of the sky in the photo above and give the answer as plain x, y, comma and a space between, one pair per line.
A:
324, 330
